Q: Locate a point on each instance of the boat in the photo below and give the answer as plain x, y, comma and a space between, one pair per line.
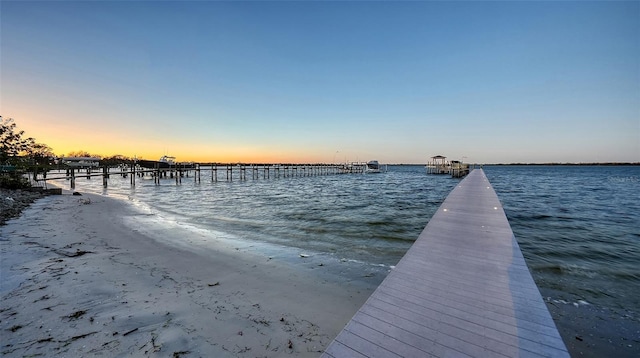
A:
165, 162
162, 163
372, 167
81, 162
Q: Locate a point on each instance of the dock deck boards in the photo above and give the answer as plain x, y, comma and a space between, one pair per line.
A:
462, 290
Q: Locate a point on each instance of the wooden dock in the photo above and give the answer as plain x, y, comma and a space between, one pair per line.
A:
462, 290
218, 171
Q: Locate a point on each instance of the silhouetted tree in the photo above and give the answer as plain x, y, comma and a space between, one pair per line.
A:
115, 160
12, 142
82, 153
19, 155
41, 154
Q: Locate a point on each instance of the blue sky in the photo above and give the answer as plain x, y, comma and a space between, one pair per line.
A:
326, 81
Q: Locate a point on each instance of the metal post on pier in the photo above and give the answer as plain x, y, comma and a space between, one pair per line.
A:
133, 175
73, 178
105, 175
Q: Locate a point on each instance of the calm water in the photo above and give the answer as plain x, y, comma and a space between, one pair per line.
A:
578, 227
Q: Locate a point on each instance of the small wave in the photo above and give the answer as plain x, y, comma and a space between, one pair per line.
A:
560, 269
577, 303
541, 217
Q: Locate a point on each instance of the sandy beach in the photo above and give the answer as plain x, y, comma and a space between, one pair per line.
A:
76, 281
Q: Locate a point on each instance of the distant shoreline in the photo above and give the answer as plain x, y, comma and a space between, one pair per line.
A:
544, 164
572, 164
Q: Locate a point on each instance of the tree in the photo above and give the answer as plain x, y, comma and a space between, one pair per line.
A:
41, 154
12, 143
81, 153
115, 160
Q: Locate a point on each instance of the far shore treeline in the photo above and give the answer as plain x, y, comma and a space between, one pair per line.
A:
20, 155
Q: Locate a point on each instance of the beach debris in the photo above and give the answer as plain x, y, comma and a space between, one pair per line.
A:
304, 255
579, 338
217, 283
242, 350
156, 348
86, 201
129, 332
76, 193
50, 308
290, 344
80, 336
15, 328
76, 315
77, 253
261, 321
240, 333
180, 354
45, 297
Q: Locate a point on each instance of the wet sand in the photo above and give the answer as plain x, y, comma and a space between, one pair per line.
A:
589, 331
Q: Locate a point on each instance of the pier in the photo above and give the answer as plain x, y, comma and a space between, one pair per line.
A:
462, 290
213, 171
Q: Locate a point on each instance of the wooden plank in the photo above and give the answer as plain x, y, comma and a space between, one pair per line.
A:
463, 289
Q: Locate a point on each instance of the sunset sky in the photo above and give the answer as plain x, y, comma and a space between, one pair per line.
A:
487, 82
